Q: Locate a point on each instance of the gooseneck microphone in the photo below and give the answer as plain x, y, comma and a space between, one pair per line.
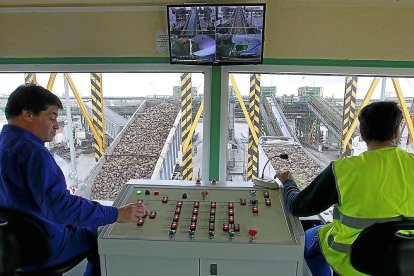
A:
283, 156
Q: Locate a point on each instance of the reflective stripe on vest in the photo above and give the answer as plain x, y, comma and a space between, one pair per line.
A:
340, 247
357, 223
362, 223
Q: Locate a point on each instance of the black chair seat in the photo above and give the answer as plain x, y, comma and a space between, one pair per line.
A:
54, 270
23, 243
381, 250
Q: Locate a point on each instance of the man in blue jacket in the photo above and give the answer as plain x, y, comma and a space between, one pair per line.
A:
32, 182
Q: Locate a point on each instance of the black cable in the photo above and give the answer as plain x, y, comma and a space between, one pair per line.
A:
283, 156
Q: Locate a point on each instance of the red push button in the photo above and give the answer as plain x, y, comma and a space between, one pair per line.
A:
140, 222
252, 233
164, 199
225, 227
176, 217
204, 194
236, 228
156, 193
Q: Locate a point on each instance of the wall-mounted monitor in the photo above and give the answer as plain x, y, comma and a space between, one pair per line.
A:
216, 34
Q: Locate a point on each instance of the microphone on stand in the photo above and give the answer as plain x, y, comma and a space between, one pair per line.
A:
268, 183
283, 156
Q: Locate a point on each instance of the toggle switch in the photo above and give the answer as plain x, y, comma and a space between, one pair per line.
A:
213, 269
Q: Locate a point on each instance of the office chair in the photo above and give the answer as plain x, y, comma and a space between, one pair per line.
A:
23, 242
381, 250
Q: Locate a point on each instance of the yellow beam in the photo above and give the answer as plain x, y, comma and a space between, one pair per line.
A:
246, 114
364, 103
83, 108
410, 141
403, 104
193, 126
51, 81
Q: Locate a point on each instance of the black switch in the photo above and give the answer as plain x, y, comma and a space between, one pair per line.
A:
184, 196
147, 192
213, 269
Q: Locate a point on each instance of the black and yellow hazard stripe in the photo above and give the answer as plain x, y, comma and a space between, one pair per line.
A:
186, 123
263, 129
254, 114
30, 78
349, 112
98, 118
312, 133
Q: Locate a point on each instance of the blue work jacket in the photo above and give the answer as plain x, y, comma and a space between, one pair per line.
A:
32, 182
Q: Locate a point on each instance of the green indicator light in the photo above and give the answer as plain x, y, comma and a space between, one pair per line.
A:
139, 192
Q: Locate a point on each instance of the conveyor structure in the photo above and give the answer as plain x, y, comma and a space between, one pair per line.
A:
327, 114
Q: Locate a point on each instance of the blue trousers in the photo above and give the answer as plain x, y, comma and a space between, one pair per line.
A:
313, 254
81, 240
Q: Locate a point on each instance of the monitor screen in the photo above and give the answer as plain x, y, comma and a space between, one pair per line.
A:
216, 34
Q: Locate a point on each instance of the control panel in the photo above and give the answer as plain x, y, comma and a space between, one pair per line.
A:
194, 224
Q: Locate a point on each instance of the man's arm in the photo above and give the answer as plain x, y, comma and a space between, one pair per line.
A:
318, 196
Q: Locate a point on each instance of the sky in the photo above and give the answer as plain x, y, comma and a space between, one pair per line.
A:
143, 84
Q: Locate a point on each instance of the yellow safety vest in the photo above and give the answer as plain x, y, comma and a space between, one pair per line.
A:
376, 186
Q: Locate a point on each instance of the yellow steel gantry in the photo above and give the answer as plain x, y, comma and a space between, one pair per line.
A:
83, 109
403, 105
30, 78
243, 107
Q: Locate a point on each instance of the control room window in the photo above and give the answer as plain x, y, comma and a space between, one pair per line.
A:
148, 117
303, 116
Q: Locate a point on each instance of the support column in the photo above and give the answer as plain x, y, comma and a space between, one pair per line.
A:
349, 112
98, 118
254, 114
186, 123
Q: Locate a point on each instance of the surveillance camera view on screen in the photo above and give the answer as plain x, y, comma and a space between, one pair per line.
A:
216, 34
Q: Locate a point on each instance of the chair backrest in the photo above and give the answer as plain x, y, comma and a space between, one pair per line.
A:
382, 250
23, 241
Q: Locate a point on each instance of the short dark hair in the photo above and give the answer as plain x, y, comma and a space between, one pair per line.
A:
378, 121
30, 97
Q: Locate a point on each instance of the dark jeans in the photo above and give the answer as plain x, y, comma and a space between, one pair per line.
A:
81, 240
313, 254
